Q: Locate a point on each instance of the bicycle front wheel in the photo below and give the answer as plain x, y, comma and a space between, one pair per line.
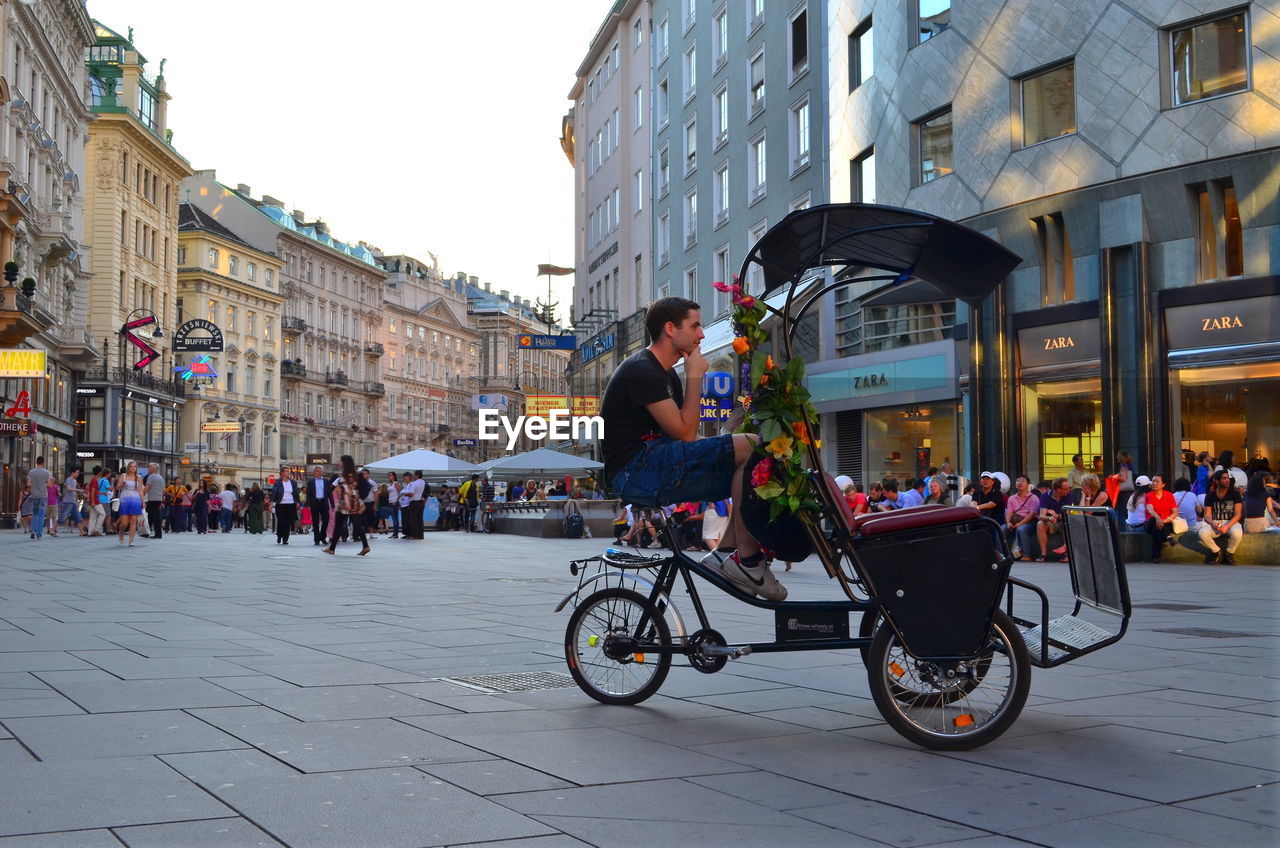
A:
610, 646
951, 708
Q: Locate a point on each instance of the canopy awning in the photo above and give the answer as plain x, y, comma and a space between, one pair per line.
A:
431, 463
542, 462
958, 261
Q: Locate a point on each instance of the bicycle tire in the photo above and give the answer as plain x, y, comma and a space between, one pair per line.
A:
608, 680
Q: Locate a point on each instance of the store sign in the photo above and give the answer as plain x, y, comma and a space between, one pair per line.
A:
21, 405
436, 394
149, 353
198, 336
544, 405
544, 342
1059, 344
1251, 320
319, 459
465, 443
220, 427
717, 396
22, 363
599, 345
926, 372
16, 427
84, 454
499, 402
192, 447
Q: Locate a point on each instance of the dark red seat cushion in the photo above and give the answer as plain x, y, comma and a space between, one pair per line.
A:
878, 524
838, 496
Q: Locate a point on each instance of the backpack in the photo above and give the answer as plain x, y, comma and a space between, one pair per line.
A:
573, 524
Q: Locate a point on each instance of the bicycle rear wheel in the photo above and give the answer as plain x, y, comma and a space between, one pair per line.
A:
605, 646
970, 708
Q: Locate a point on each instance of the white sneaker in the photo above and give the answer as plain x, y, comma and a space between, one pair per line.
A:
716, 559
754, 580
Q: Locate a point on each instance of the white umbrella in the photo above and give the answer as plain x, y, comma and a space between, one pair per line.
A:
542, 462
430, 463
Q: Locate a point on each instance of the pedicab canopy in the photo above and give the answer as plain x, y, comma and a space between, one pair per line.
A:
960, 262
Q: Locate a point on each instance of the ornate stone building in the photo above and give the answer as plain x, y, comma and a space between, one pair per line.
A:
227, 282
431, 354
42, 136
132, 173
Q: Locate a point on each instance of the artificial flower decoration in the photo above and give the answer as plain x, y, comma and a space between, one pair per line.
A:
777, 409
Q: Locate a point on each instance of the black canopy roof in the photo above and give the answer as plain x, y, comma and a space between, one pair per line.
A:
960, 262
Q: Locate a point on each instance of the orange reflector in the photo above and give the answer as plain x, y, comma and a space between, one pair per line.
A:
963, 720
639, 657
897, 670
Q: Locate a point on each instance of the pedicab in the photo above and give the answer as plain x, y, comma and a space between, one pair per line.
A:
947, 667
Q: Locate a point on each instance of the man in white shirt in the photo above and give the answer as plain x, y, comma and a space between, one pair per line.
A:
318, 502
285, 495
413, 512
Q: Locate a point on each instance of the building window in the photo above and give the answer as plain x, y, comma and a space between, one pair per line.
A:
932, 18
182, 256
861, 55
637, 108
691, 218
721, 273
251, 323
691, 281
690, 146
1057, 281
755, 274
720, 122
933, 135
213, 259
862, 177
251, 271
798, 46
251, 380
231, 380
721, 188
664, 239
233, 265
270, 278
755, 14
690, 72
637, 32
1210, 58
1048, 104
720, 37
757, 83
800, 134
664, 33
758, 164
269, 329
664, 102
688, 13
637, 188
1219, 238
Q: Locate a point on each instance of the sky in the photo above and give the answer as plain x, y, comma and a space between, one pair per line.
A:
414, 125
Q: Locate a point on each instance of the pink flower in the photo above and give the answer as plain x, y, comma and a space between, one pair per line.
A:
746, 301
762, 472
727, 289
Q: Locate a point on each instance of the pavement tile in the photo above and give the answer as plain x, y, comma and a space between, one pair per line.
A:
209, 833
52, 704
889, 824
1263, 753
118, 735
493, 777
1198, 828
388, 808
73, 839
107, 793
702, 731
329, 672
819, 718
12, 753
327, 703
107, 696
456, 725
771, 790
559, 840
40, 661
1257, 804
615, 833
320, 746
129, 666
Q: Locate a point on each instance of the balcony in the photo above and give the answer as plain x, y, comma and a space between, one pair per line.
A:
336, 378
292, 324
375, 388
293, 369
20, 317
374, 349
440, 429
78, 344
135, 380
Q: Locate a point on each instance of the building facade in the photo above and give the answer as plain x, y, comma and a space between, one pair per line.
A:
431, 353
234, 287
1130, 157
332, 388
43, 132
132, 174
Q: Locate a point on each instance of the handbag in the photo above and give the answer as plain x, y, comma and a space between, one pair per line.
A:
1179, 523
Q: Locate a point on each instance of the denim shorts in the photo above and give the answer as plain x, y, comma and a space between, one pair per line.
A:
666, 471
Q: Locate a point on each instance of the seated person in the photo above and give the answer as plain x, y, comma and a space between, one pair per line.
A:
891, 499
652, 452
1136, 506
938, 493
689, 516
1050, 519
913, 496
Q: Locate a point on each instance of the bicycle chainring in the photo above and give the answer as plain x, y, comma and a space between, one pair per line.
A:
706, 664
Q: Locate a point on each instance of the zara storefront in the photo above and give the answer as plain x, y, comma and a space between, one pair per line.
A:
1223, 343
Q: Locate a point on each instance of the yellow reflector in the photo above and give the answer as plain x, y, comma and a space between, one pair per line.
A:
897, 670
593, 640
963, 720
639, 657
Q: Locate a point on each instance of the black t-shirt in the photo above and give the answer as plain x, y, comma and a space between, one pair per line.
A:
1222, 509
639, 381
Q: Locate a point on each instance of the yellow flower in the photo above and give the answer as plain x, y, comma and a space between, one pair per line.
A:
780, 447
741, 346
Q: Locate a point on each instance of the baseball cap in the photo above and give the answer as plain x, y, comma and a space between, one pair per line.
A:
986, 474
1142, 480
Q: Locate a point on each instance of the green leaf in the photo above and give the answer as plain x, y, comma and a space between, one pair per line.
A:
769, 490
758, 358
770, 429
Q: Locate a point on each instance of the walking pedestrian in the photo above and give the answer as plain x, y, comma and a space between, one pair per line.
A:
254, 512
393, 503
226, 515
200, 508
285, 494
318, 490
69, 510
129, 489
348, 508
155, 500
39, 479
26, 507
52, 497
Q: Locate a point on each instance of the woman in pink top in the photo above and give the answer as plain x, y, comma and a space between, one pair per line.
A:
51, 511
1020, 513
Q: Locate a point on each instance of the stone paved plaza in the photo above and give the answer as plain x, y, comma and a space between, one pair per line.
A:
227, 691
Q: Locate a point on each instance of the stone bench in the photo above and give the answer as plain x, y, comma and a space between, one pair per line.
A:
545, 520
1255, 549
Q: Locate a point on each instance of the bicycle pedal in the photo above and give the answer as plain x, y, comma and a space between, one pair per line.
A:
726, 651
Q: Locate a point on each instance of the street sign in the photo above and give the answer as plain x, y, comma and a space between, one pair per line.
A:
319, 459
192, 447
499, 402
464, 443
185, 342
220, 427
22, 363
547, 342
186, 460
149, 354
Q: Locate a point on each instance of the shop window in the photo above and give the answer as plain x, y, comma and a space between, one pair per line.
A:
1219, 238
1232, 407
1048, 104
1209, 59
865, 329
933, 139
1057, 281
904, 441
1061, 419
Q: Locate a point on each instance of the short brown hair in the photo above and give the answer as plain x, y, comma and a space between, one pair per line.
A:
667, 309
